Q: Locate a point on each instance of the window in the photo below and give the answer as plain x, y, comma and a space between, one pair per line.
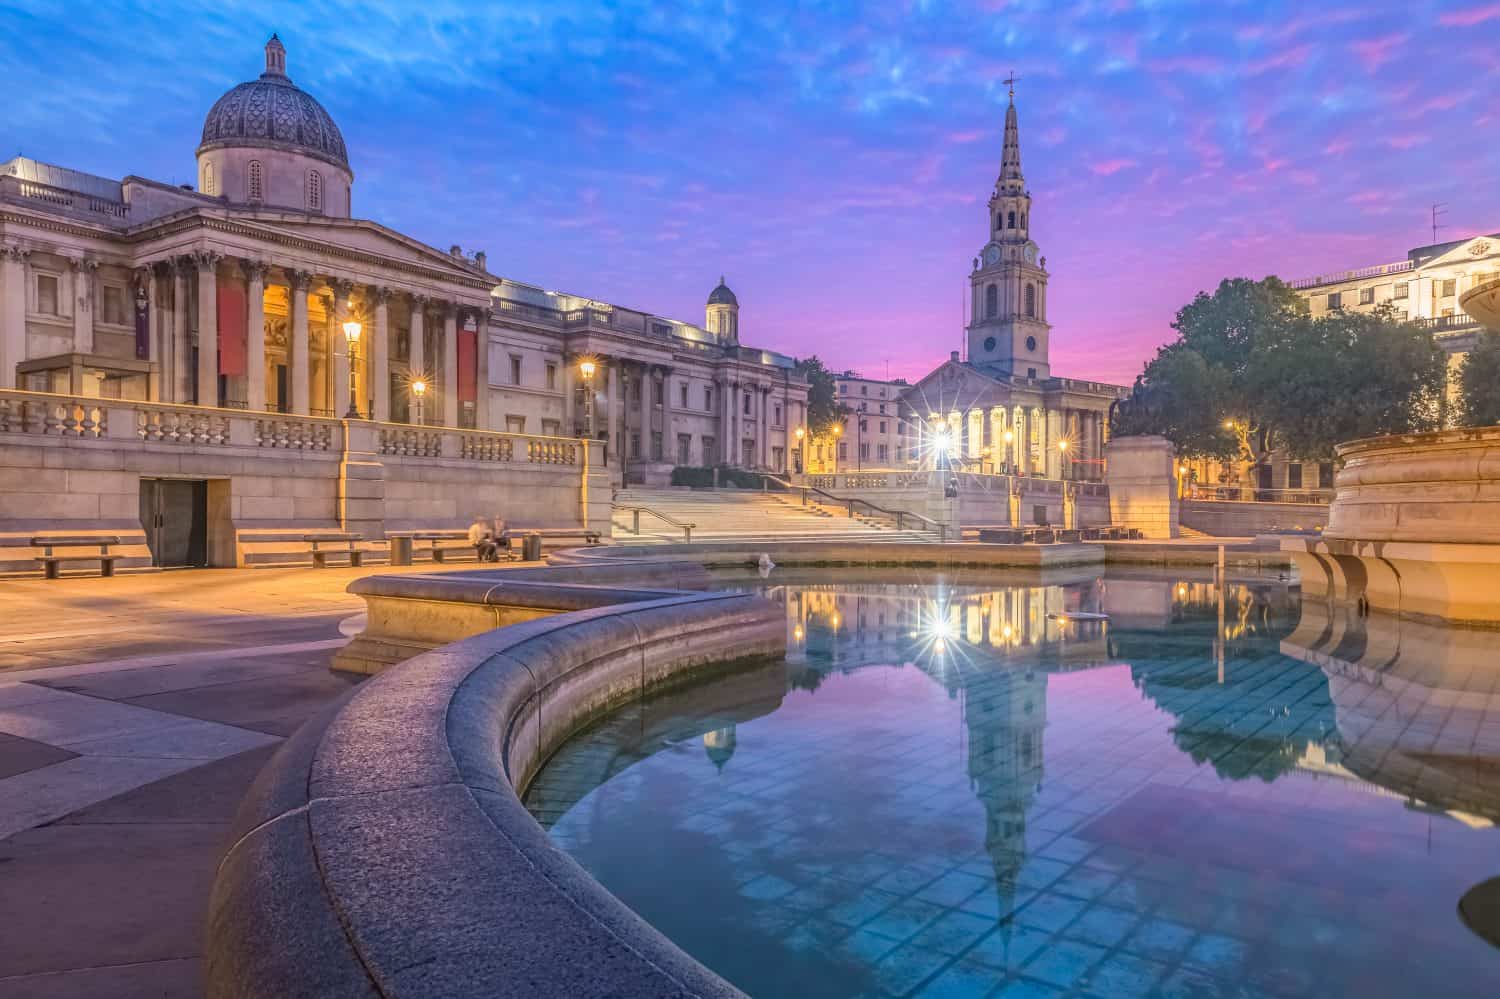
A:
552, 376
1294, 475
1401, 290
864, 390
843, 388
710, 451
778, 459
1325, 475
683, 387
998, 221
991, 301
515, 369
114, 305
551, 427
882, 426
1031, 372
314, 190
843, 451
656, 445
1023, 220
746, 407
1335, 301
864, 451
658, 390
1446, 289
1367, 296
708, 399
777, 421
864, 426
882, 409
1010, 220
208, 178
515, 424
46, 294
684, 449
1031, 300
635, 445
255, 182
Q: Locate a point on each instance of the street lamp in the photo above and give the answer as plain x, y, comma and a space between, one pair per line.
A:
1062, 450
351, 333
1009, 437
797, 452
418, 390
586, 369
838, 431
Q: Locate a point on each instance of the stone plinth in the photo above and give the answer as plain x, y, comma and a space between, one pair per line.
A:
1142, 485
1414, 528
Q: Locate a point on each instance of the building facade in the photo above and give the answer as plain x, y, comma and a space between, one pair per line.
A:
872, 435
1000, 409
259, 290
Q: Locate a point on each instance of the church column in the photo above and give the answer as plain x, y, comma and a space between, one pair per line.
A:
13, 318
207, 262
255, 335
338, 345
84, 271
300, 357
380, 357
416, 357
450, 364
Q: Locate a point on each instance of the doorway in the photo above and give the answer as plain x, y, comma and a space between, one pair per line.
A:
174, 514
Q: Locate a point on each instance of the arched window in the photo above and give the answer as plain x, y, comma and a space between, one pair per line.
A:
1023, 220
208, 178
1010, 221
314, 190
998, 221
254, 183
1031, 300
991, 301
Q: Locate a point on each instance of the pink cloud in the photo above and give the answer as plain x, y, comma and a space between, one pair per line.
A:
1108, 168
1471, 16
1290, 58
1054, 136
1337, 147
963, 138
1375, 52
1406, 141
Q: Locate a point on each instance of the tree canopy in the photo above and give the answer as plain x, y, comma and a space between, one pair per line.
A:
823, 407
1479, 383
1251, 371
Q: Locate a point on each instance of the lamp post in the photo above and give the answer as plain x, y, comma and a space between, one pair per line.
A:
418, 390
1009, 437
351, 334
1062, 465
586, 369
797, 452
838, 431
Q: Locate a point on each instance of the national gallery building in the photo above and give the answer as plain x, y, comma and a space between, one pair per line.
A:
239, 294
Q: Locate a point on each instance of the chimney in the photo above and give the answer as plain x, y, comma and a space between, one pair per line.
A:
479, 259
953, 355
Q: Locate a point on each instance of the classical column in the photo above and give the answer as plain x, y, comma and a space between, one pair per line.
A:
416, 357
572, 422
450, 364
765, 426
182, 345
255, 335
380, 357
147, 288
647, 387
13, 318
84, 271
207, 262
301, 356
482, 369
338, 347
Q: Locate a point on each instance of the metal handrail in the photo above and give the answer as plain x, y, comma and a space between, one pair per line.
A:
848, 502
635, 521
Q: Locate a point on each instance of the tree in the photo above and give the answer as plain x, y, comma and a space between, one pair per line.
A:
1479, 383
1180, 396
824, 410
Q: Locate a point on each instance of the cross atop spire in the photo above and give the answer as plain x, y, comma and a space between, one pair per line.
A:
1010, 81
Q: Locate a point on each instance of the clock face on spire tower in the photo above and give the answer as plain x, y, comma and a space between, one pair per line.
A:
1008, 329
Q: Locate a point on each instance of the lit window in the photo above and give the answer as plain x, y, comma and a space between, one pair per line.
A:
255, 185
314, 190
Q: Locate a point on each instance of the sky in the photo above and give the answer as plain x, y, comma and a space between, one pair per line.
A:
833, 159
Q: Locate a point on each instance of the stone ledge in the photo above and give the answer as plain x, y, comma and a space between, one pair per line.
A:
385, 851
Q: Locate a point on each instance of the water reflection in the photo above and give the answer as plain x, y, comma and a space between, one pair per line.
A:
954, 782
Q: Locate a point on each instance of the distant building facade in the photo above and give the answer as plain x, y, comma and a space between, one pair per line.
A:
236, 294
873, 434
1001, 409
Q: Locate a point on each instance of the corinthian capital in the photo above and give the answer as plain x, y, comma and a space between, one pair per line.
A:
14, 251
207, 260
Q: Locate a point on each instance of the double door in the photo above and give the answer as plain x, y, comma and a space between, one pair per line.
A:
174, 514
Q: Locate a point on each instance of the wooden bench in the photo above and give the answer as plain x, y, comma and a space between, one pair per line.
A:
51, 564
1002, 535
343, 544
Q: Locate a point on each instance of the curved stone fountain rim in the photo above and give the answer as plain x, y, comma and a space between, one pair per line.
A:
1460, 436
385, 851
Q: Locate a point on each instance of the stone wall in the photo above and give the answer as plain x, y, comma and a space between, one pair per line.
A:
1142, 485
1244, 520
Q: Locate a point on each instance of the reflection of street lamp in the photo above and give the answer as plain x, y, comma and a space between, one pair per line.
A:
351, 333
418, 390
586, 368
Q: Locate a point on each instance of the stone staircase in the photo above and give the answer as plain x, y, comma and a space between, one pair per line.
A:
745, 515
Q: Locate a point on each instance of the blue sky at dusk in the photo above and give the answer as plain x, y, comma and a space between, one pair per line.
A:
833, 159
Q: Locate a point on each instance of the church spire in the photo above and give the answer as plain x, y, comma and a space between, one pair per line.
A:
1010, 162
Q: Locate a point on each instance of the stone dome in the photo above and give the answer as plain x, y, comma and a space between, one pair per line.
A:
722, 295
274, 113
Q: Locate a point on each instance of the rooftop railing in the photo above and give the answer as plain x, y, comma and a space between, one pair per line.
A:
1375, 270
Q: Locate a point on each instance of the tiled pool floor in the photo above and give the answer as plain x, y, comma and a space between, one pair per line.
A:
959, 821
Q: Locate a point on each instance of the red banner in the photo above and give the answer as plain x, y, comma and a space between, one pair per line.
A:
232, 330
468, 361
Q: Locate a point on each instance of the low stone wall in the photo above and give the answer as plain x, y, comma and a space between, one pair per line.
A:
1245, 520
826, 553
385, 850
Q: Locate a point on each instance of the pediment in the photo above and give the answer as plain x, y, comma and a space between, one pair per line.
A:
364, 236
955, 386
1470, 250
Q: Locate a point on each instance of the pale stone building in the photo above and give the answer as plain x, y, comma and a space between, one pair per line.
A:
257, 310
873, 433
1002, 409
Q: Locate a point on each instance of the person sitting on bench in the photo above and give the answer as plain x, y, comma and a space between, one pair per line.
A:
483, 541
502, 543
